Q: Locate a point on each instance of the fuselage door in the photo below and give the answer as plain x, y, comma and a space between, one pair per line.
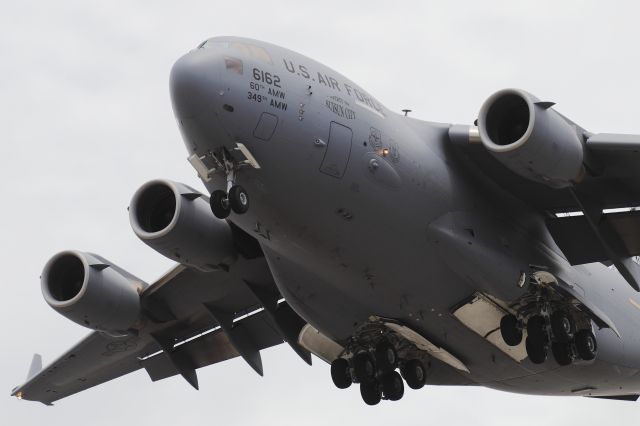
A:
338, 150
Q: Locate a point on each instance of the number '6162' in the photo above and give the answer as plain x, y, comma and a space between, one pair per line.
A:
267, 77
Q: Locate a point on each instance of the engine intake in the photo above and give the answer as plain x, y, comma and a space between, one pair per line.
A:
176, 221
531, 138
91, 291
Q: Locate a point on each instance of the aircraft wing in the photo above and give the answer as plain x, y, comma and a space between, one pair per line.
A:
607, 227
193, 319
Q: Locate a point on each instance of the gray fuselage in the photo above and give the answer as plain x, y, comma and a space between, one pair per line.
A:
362, 211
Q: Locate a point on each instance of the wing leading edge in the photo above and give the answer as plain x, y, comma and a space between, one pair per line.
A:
606, 198
191, 319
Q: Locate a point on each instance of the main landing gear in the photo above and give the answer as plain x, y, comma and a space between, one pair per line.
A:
374, 368
551, 330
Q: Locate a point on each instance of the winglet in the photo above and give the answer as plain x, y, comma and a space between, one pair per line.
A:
36, 366
34, 369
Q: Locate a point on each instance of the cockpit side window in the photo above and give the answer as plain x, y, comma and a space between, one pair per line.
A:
233, 64
254, 51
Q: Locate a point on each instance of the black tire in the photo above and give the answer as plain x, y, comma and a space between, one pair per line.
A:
414, 374
562, 326
562, 353
238, 199
392, 386
363, 367
586, 345
370, 392
510, 331
340, 373
537, 328
219, 204
536, 350
386, 356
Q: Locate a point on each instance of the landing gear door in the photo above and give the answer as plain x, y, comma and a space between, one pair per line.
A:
338, 150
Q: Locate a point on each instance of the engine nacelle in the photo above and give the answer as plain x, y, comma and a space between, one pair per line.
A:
531, 139
93, 292
176, 221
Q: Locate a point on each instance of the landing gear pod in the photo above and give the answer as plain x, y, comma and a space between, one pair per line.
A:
92, 292
176, 221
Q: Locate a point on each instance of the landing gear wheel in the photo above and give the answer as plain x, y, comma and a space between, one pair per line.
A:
363, 367
414, 374
586, 345
511, 333
562, 326
219, 204
370, 392
386, 356
562, 353
392, 386
536, 328
238, 199
340, 373
536, 350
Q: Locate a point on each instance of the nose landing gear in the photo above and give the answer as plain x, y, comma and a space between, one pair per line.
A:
236, 198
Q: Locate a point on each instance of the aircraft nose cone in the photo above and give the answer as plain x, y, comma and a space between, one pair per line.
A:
191, 83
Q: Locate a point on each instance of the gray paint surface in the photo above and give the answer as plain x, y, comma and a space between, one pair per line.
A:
96, 204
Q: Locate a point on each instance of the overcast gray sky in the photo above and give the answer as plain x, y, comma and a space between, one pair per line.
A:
86, 119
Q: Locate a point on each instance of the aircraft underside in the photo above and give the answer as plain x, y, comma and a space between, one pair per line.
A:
399, 251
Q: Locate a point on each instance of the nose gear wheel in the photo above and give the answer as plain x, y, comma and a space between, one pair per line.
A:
235, 198
219, 204
238, 199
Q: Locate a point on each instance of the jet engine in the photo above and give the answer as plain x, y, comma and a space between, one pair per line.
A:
91, 291
531, 138
176, 221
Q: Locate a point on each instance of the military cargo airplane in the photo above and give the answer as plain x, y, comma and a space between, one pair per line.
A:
396, 250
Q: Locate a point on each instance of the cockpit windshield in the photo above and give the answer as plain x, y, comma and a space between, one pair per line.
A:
247, 49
